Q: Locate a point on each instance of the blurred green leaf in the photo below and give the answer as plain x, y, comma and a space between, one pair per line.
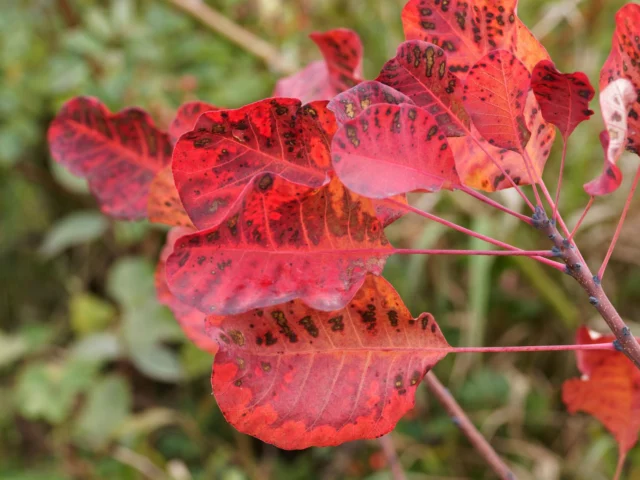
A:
98, 347
485, 388
12, 349
108, 405
89, 313
130, 281
75, 229
47, 390
156, 361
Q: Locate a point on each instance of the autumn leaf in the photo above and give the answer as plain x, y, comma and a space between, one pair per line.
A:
609, 390
282, 242
297, 377
190, 319
611, 177
563, 97
392, 149
494, 95
322, 80
119, 154
419, 70
164, 204
215, 164
351, 103
468, 30
186, 118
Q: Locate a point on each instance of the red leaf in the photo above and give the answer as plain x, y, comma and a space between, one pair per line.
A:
282, 242
119, 154
297, 377
322, 80
164, 205
477, 170
215, 164
469, 30
342, 50
609, 390
190, 319
495, 94
563, 97
419, 70
392, 149
186, 118
351, 103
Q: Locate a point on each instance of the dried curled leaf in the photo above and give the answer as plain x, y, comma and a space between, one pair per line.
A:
119, 154
215, 164
609, 390
190, 319
282, 242
419, 70
297, 377
322, 80
393, 149
563, 97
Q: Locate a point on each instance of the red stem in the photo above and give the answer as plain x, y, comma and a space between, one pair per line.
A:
621, 458
471, 233
582, 217
467, 427
477, 195
534, 348
528, 163
625, 210
496, 253
559, 186
389, 450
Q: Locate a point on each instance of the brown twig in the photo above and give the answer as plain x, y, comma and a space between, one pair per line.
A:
466, 426
579, 270
389, 450
234, 32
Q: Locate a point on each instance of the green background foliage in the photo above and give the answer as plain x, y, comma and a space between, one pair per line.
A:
96, 378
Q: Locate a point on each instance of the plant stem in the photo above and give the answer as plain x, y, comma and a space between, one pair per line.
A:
582, 217
466, 426
495, 253
391, 455
235, 33
477, 195
625, 210
533, 180
559, 186
579, 270
534, 348
466, 231
621, 459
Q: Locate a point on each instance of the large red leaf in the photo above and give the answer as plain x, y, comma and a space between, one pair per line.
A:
351, 103
392, 149
215, 164
297, 377
322, 80
282, 242
186, 118
468, 30
495, 94
563, 97
419, 70
119, 154
609, 390
190, 319
164, 204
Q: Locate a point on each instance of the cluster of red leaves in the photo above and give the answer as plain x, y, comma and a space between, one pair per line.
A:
280, 207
